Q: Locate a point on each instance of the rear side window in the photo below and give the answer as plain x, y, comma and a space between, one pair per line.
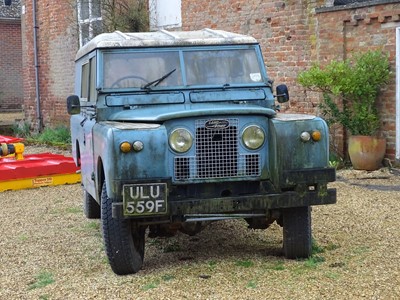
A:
88, 80
85, 81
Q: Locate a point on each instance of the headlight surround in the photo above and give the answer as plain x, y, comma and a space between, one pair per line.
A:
180, 140
253, 137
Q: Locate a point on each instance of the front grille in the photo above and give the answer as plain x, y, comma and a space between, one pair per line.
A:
217, 151
216, 155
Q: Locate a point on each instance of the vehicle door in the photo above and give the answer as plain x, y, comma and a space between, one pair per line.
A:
88, 115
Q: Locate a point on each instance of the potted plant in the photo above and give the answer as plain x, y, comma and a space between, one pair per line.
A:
350, 91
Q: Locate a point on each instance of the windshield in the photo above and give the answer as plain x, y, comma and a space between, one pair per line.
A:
137, 69
180, 68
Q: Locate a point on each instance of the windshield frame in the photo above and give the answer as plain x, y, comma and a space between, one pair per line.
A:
181, 70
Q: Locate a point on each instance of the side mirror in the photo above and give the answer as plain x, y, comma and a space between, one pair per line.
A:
73, 105
282, 93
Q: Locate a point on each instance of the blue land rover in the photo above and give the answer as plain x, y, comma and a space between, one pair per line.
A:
174, 130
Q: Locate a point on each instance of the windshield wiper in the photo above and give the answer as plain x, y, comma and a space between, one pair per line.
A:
158, 81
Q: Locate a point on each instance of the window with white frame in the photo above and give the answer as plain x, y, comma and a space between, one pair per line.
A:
165, 14
89, 19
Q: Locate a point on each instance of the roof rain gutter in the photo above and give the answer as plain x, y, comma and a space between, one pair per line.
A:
37, 85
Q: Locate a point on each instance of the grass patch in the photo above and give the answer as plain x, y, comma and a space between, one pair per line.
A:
313, 261
244, 263
73, 210
23, 237
41, 280
332, 275
22, 130
151, 286
315, 248
167, 277
332, 246
361, 250
173, 247
93, 225
252, 284
277, 266
212, 264
57, 136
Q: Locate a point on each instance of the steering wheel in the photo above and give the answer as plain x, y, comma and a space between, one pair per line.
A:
117, 83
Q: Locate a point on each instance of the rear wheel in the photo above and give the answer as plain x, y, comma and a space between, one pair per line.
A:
90, 207
123, 239
297, 232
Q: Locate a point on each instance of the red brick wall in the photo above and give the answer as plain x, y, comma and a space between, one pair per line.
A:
11, 95
57, 45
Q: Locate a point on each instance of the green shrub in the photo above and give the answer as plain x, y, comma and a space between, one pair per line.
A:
350, 90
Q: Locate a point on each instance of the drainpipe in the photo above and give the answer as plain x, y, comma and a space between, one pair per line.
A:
37, 86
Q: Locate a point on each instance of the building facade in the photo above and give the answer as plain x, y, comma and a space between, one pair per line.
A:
50, 41
11, 89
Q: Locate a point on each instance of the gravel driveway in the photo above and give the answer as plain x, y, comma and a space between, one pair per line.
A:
48, 250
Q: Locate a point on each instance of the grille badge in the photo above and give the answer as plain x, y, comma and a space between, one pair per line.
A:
217, 124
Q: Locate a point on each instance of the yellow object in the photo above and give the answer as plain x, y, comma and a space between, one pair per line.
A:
316, 135
19, 150
125, 147
26, 183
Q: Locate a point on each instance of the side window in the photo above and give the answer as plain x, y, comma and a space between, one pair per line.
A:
85, 81
88, 80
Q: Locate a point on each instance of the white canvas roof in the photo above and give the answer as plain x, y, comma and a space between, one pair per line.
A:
161, 38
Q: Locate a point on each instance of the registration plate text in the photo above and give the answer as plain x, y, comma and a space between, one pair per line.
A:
145, 199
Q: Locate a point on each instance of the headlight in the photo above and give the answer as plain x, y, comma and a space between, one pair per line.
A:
253, 137
180, 140
305, 136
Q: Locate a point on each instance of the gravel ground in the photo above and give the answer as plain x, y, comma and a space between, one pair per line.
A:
48, 250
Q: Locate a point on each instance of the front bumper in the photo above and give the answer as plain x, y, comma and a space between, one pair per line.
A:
311, 189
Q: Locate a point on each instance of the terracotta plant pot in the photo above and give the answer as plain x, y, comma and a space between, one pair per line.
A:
366, 152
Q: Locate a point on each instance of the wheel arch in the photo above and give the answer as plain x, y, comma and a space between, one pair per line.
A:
77, 154
101, 177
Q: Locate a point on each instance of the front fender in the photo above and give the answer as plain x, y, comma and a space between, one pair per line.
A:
289, 152
121, 167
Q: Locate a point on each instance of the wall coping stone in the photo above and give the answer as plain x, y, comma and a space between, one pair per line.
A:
324, 9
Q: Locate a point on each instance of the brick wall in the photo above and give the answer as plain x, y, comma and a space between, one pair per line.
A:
57, 44
11, 95
293, 36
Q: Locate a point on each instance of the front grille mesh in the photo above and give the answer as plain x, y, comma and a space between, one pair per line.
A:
216, 155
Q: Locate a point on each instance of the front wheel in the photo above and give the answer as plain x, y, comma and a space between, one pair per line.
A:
123, 239
297, 232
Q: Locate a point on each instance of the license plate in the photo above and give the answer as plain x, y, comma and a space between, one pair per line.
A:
145, 199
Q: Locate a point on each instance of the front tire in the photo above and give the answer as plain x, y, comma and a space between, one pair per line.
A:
123, 239
297, 232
